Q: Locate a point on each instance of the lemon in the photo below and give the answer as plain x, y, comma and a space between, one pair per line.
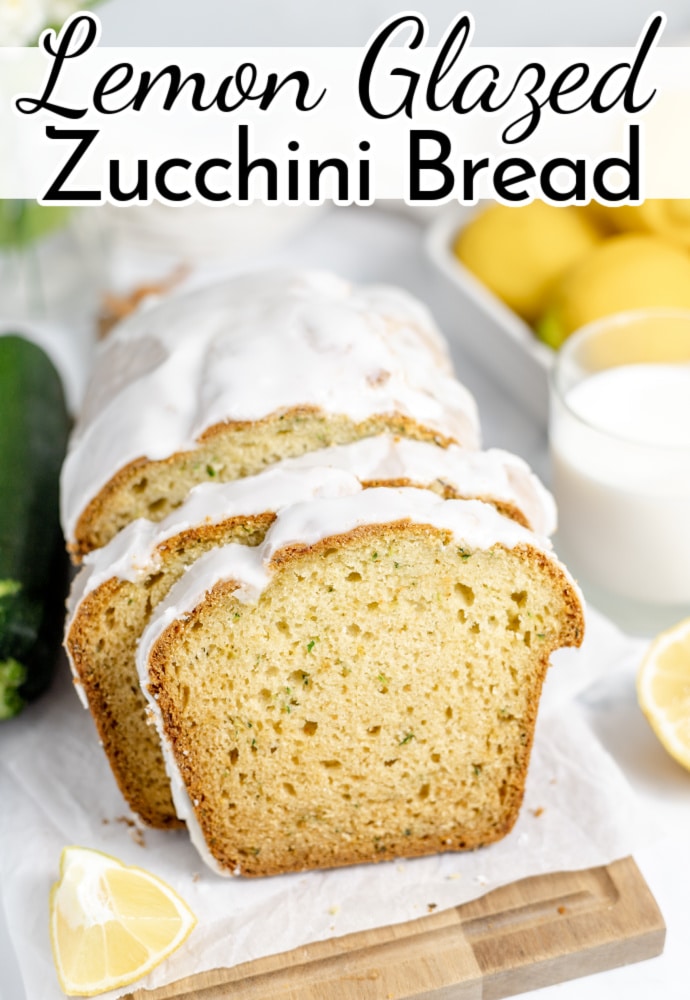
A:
663, 690
627, 272
520, 252
111, 923
605, 217
665, 217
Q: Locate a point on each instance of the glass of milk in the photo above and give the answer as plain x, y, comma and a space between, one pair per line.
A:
620, 447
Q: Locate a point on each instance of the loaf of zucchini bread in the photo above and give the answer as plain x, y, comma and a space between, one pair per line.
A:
120, 584
313, 619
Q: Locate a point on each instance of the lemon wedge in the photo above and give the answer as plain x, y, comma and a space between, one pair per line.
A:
111, 923
663, 690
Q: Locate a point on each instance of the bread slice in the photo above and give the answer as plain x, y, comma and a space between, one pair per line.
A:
362, 686
222, 382
120, 585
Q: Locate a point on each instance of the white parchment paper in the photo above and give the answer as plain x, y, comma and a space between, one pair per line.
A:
56, 789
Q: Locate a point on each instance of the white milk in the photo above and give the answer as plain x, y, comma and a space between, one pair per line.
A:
622, 481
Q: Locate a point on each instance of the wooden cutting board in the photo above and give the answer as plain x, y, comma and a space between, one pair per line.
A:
532, 933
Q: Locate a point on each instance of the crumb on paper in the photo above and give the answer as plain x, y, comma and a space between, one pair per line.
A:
135, 831
195, 877
430, 907
125, 820
333, 910
481, 879
453, 876
537, 812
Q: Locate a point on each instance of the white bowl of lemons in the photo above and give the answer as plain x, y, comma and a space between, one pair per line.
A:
528, 276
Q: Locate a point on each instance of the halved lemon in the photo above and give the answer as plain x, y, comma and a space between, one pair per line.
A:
663, 690
111, 923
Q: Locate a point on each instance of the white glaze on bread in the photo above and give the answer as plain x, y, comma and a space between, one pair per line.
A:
494, 474
171, 372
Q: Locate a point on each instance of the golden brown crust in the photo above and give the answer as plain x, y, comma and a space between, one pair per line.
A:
203, 537
86, 535
573, 629
147, 798
104, 662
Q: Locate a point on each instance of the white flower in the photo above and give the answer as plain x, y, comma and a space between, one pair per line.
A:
21, 21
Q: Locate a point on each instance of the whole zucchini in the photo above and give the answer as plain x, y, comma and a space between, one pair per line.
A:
34, 426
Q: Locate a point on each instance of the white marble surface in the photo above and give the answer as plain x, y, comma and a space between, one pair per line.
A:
369, 244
